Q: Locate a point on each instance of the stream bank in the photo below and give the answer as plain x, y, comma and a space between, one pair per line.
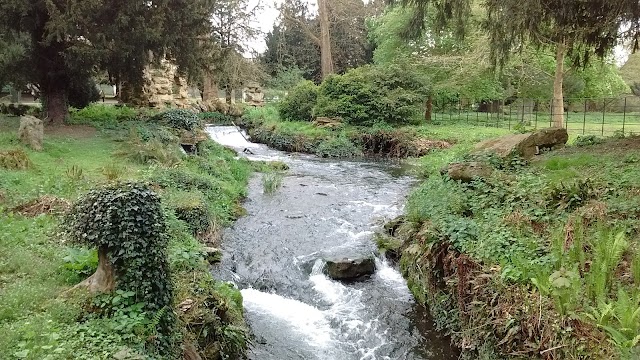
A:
540, 259
338, 140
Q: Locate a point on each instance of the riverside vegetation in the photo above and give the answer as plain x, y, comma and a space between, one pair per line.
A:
539, 260
134, 154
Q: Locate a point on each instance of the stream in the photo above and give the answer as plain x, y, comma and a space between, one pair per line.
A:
274, 254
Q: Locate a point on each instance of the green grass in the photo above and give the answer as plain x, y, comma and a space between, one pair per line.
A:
556, 240
347, 141
271, 182
593, 123
39, 319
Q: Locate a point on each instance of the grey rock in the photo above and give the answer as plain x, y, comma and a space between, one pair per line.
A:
350, 269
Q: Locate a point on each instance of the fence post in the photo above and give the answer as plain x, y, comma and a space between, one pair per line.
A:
487, 123
566, 121
535, 107
509, 121
584, 117
459, 109
467, 111
522, 121
604, 107
624, 114
478, 115
551, 117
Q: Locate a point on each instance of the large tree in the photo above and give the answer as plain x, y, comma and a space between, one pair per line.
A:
232, 29
577, 29
333, 40
66, 42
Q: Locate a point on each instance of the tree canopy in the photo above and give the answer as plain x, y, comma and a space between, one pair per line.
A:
54, 44
296, 40
576, 29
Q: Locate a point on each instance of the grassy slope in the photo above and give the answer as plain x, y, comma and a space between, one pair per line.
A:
37, 319
539, 257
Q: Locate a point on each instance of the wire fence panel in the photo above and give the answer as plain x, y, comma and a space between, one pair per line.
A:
604, 116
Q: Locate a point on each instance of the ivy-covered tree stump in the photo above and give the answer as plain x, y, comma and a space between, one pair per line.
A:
126, 223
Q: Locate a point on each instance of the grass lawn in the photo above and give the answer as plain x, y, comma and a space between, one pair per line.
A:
39, 317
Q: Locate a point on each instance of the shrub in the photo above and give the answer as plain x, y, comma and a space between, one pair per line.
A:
338, 147
104, 115
126, 221
150, 152
215, 117
15, 159
370, 94
298, 105
180, 119
587, 140
191, 208
83, 92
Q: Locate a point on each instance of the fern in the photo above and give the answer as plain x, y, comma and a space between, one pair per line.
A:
152, 327
635, 268
607, 253
627, 312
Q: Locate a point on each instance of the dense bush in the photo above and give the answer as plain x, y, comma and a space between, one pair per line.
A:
216, 117
298, 105
82, 93
371, 94
99, 114
338, 147
179, 119
191, 208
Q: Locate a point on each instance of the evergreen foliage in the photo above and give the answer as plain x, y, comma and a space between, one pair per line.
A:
372, 94
58, 46
299, 103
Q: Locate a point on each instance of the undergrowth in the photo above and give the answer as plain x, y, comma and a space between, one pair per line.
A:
264, 125
41, 319
535, 261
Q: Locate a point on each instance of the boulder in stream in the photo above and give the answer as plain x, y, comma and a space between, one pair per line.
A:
350, 269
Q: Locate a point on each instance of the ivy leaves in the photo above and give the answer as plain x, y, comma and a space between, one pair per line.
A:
127, 220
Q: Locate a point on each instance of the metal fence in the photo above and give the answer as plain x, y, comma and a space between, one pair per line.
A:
604, 116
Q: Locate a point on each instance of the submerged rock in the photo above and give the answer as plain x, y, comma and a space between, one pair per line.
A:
350, 269
525, 145
467, 171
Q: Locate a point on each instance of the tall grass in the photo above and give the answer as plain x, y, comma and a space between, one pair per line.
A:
271, 182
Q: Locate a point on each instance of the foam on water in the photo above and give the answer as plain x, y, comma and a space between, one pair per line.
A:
229, 136
307, 320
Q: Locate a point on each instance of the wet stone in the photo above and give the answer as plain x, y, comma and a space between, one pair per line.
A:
350, 269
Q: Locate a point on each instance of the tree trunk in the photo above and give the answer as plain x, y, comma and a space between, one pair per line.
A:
103, 280
428, 109
56, 109
210, 89
228, 95
326, 60
557, 108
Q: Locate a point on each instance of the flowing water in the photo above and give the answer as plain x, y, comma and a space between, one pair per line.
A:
274, 254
